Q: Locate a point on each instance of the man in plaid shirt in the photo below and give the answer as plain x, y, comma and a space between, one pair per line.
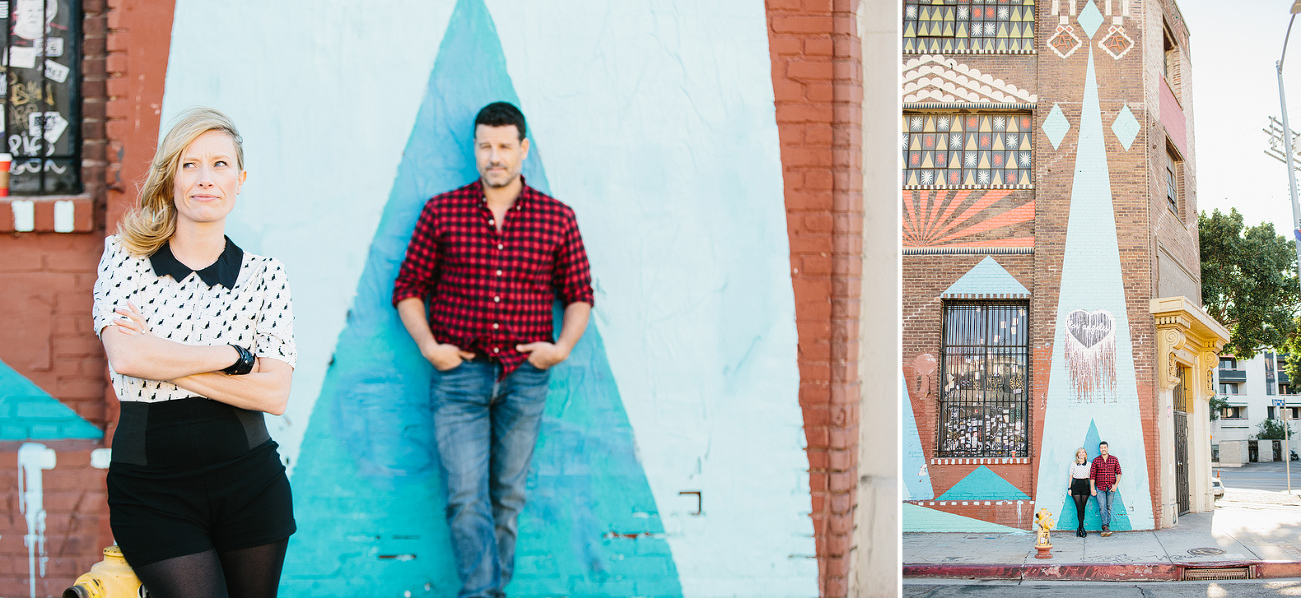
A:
484, 266
1104, 476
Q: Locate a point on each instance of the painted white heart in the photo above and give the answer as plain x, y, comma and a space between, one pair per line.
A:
1090, 328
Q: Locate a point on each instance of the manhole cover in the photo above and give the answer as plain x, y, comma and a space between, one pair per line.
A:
1205, 551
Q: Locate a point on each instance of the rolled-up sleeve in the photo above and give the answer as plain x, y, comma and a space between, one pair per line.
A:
275, 321
573, 276
421, 262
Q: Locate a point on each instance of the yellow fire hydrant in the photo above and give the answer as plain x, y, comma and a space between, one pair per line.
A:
109, 578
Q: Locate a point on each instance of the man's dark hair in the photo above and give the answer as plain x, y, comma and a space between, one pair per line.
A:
502, 114
1104, 442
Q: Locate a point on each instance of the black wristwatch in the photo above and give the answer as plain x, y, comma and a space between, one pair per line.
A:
243, 365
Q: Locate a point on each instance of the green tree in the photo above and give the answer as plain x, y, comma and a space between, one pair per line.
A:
1249, 283
1272, 429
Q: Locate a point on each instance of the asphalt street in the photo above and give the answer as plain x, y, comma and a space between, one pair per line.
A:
944, 588
1261, 476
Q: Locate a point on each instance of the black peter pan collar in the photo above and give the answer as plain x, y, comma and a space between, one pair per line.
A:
224, 271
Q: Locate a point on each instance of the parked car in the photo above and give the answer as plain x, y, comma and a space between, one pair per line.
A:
1217, 488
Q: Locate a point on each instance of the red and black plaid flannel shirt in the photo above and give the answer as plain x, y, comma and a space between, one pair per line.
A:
1104, 473
489, 291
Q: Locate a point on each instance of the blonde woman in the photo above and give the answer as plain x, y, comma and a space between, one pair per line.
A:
199, 338
1078, 486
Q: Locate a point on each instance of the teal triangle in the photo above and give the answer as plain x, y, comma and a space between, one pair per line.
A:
922, 519
368, 497
917, 480
29, 413
987, 278
983, 484
1069, 519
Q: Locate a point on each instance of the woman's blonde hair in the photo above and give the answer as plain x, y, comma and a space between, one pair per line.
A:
152, 222
1086, 454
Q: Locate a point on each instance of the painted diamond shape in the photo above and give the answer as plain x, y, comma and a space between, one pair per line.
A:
1116, 43
1056, 126
1090, 18
1126, 127
1064, 42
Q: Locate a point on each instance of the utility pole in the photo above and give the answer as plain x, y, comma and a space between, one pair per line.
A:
1288, 136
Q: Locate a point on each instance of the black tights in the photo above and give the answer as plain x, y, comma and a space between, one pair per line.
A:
245, 573
1081, 502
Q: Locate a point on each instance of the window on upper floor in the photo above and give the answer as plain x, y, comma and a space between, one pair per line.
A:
1228, 388
1174, 167
968, 26
1228, 363
985, 371
1233, 413
42, 96
968, 150
1286, 389
1172, 62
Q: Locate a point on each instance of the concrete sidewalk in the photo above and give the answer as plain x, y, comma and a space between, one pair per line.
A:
1254, 529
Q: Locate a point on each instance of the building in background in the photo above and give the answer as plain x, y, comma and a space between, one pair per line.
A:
703, 439
1252, 388
1050, 270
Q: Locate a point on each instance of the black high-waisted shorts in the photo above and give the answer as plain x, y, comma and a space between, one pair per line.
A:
192, 475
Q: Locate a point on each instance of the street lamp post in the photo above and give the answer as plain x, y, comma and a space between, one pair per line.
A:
1296, 212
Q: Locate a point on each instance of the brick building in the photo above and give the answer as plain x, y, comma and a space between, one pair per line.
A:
53, 386
1050, 269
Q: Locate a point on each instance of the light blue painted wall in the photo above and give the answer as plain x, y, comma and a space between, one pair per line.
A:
655, 121
1092, 280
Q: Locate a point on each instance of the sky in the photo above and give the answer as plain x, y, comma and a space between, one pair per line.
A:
1234, 46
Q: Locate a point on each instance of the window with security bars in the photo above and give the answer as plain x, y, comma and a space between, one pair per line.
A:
985, 369
968, 150
958, 26
41, 91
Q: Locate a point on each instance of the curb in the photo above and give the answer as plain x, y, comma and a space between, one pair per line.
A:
1098, 572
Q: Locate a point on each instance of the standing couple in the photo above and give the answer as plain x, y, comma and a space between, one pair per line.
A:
1098, 479
199, 339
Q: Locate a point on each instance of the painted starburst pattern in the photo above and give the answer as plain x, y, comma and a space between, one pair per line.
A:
943, 218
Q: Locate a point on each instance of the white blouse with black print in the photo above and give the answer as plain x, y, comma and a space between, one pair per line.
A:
242, 299
1078, 472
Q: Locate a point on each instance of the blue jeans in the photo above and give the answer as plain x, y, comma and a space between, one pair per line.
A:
486, 430
1105, 498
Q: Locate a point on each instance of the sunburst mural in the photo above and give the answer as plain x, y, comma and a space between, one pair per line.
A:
949, 218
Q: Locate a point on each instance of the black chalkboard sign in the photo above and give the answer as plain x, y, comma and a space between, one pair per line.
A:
41, 88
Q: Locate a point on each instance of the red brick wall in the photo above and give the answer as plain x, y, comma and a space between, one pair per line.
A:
817, 81
45, 287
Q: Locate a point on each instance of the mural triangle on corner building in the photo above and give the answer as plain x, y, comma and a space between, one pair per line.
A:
915, 486
367, 480
1068, 517
987, 279
29, 413
983, 484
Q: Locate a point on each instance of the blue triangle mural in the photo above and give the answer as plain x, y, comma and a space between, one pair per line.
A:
1068, 518
367, 494
987, 278
29, 413
916, 479
983, 484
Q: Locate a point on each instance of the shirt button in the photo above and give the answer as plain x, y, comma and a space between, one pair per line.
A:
491, 221
495, 326
496, 350
499, 273
496, 299
501, 246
